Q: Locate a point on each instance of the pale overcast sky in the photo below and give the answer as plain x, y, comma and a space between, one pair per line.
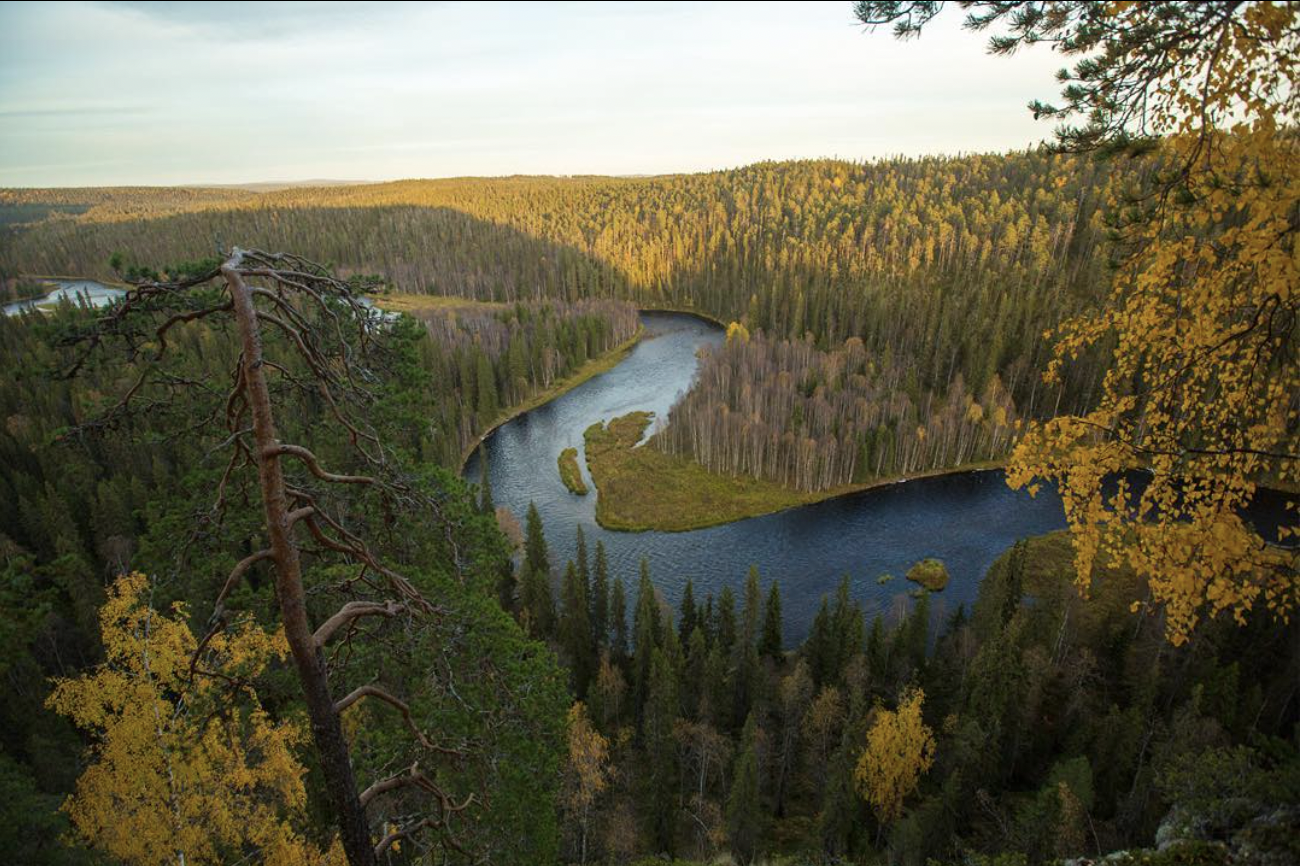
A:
172, 93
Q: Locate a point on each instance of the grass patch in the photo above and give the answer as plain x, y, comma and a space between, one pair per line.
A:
571, 473
638, 489
930, 573
417, 304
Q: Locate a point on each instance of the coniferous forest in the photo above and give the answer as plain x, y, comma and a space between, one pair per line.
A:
254, 608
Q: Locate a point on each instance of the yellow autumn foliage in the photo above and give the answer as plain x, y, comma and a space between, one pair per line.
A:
1204, 383
183, 771
900, 750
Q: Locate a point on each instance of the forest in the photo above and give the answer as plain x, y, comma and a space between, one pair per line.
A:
813, 420
939, 265
251, 612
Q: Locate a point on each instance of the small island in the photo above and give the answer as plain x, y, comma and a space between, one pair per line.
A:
929, 573
642, 488
571, 473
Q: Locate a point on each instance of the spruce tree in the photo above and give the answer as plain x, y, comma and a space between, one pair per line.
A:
600, 598
535, 552
618, 622
584, 571
486, 505
726, 620
847, 626
916, 632
695, 677
687, 622
745, 663
646, 636
744, 810
575, 632
770, 642
840, 821
660, 799
818, 648
536, 603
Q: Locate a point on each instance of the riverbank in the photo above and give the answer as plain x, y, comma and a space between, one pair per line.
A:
686, 311
57, 278
591, 369
643, 489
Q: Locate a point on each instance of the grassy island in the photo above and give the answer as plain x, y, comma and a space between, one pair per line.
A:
929, 573
571, 473
642, 488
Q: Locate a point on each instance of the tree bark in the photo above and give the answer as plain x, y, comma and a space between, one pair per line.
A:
327, 731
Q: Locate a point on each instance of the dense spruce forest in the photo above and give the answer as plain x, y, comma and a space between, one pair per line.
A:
1059, 727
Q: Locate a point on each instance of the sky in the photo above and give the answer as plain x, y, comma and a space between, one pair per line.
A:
97, 93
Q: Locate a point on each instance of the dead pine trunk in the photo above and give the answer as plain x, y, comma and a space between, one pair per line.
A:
327, 731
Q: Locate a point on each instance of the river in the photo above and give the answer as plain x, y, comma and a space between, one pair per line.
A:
88, 292
966, 519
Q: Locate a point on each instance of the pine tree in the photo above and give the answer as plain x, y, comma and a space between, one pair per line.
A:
770, 644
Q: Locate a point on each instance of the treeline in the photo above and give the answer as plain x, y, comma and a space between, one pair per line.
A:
483, 359
943, 264
812, 420
1062, 727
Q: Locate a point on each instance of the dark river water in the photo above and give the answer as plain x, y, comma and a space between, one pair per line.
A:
967, 520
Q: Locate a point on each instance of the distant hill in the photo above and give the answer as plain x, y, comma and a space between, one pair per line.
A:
277, 185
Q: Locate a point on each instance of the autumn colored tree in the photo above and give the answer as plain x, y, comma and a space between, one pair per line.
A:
185, 765
900, 749
586, 773
1203, 388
